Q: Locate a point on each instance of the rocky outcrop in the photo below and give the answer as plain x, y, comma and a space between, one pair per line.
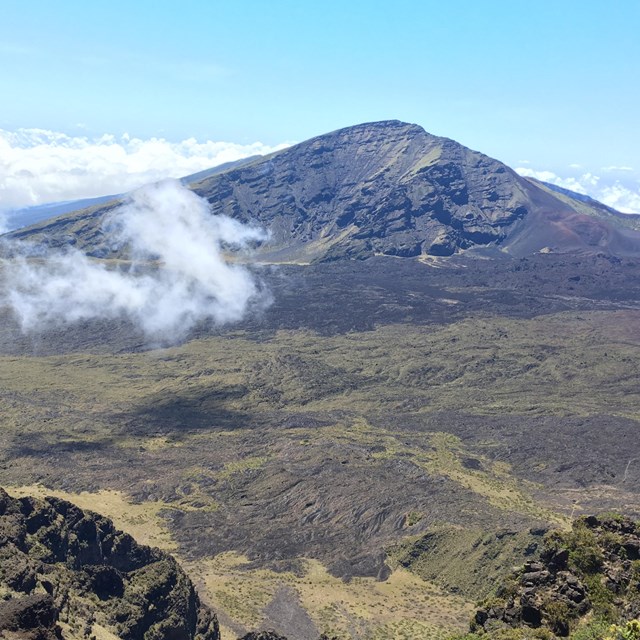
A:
594, 568
60, 564
543, 596
30, 618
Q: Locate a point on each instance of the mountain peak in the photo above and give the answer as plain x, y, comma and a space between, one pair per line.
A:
382, 130
390, 188
384, 126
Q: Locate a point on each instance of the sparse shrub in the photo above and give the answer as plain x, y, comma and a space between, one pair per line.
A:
602, 599
509, 634
554, 541
492, 601
628, 631
612, 515
584, 551
413, 517
508, 589
557, 613
612, 542
595, 630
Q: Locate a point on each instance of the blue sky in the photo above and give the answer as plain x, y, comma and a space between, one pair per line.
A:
543, 85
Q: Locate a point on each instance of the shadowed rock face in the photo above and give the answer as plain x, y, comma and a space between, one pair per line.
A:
392, 188
30, 618
383, 188
61, 564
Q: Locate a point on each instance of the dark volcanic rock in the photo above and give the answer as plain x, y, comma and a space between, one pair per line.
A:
584, 571
535, 600
54, 557
382, 188
30, 618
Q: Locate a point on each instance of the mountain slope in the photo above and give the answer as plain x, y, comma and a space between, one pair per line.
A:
383, 188
28, 216
591, 207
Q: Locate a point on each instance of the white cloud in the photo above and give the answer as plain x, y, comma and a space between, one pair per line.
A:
579, 185
620, 198
614, 168
39, 166
178, 276
624, 197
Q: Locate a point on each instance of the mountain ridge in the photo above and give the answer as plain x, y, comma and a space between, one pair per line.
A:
386, 188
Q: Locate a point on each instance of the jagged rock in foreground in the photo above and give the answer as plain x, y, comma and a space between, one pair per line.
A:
591, 573
30, 618
65, 572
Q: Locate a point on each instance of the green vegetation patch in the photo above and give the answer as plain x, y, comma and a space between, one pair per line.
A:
471, 562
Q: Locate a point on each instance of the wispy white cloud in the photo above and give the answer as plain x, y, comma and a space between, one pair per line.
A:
38, 166
614, 168
579, 185
178, 276
624, 197
620, 198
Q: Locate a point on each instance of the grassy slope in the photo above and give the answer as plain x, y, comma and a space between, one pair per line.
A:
187, 428
569, 363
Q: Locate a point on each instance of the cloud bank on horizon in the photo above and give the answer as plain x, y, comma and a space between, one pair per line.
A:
178, 276
39, 166
614, 186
